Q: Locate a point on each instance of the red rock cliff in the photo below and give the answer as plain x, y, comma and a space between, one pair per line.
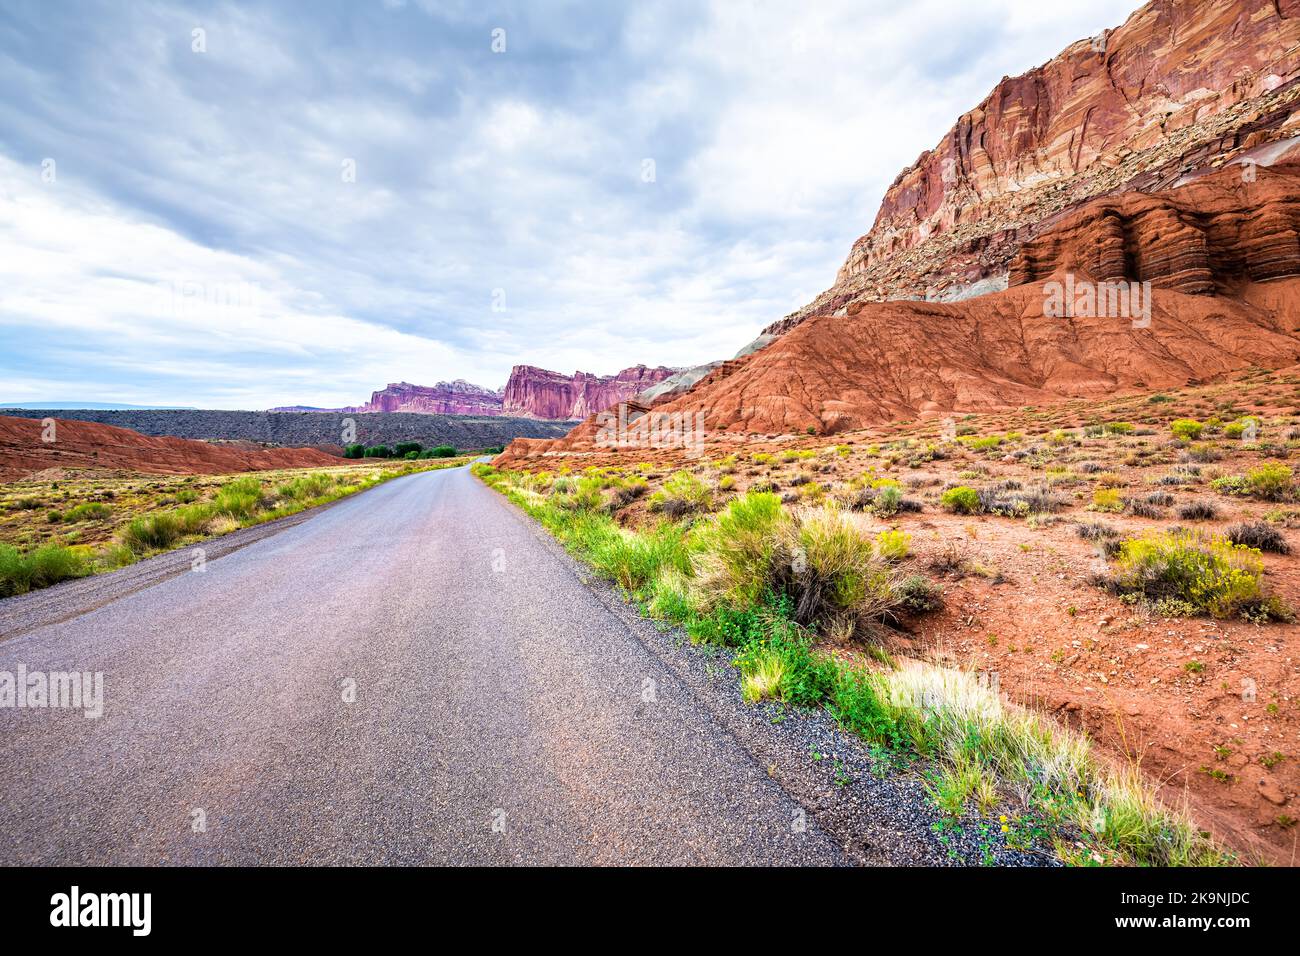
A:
446, 398
1182, 84
538, 393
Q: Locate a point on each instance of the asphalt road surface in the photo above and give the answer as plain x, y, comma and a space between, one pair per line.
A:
412, 675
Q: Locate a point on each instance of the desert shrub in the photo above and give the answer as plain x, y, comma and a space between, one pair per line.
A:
824, 562
195, 519
1142, 508
1202, 452
1210, 575
403, 449
87, 511
48, 565
919, 595
442, 451
151, 532
1272, 482
1186, 429
1106, 499
961, 500
1007, 498
783, 666
576, 494
1094, 531
682, 494
986, 443
1198, 511
1118, 428
888, 501
1258, 535
893, 545
307, 487
1238, 428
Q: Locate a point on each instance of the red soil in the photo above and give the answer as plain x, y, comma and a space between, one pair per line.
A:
89, 445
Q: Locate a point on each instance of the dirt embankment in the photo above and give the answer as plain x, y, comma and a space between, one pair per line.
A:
30, 445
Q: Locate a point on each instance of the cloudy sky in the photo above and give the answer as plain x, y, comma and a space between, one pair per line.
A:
241, 206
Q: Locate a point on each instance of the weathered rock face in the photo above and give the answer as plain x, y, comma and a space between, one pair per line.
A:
537, 393
1182, 84
531, 393
1204, 237
446, 398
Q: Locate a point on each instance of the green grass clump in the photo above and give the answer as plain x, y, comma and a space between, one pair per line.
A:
1106, 500
734, 551
153, 532
635, 560
88, 511
239, 499
22, 572
961, 500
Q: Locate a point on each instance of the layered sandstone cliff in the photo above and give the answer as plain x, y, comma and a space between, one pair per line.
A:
539, 393
1182, 85
458, 397
531, 392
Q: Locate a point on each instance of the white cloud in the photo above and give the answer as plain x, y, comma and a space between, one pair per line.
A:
774, 128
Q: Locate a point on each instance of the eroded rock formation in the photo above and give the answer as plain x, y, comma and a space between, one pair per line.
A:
458, 397
538, 393
1182, 85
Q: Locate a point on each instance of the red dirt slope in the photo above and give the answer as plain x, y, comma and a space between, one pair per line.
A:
88, 445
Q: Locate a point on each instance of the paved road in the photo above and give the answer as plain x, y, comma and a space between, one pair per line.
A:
497, 714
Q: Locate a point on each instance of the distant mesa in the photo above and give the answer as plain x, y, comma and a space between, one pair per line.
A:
531, 392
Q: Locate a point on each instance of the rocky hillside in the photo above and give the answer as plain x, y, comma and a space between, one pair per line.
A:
315, 429
1182, 85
